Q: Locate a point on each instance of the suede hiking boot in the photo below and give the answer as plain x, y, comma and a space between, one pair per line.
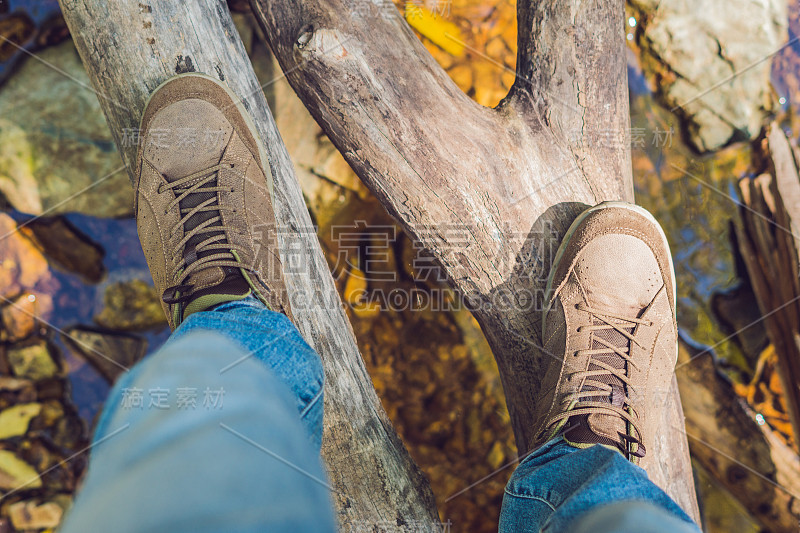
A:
203, 200
610, 322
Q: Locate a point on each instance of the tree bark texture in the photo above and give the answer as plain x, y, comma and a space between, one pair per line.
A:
488, 192
768, 233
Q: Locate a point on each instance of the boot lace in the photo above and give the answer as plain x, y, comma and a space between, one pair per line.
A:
188, 259
595, 379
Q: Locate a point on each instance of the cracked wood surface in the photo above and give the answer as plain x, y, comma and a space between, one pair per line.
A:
769, 238
128, 49
489, 192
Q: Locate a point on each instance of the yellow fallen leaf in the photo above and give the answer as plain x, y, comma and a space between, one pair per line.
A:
356, 286
496, 456
355, 290
442, 33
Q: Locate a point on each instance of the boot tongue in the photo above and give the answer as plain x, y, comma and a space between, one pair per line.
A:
214, 286
603, 428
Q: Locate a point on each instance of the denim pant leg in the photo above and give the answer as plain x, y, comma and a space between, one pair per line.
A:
595, 490
217, 431
273, 340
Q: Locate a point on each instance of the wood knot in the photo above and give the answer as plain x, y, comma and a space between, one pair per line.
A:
305, 36
321, 43
184, 64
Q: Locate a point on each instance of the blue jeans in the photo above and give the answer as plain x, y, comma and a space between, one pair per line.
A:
220, 430
562, 488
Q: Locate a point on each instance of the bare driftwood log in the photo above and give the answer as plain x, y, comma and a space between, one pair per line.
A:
129, 48
488, 192
747, 458
769, 239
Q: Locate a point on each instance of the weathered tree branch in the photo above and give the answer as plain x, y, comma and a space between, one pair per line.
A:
747, 459
489, 192
571, 75
769, 239
128, 49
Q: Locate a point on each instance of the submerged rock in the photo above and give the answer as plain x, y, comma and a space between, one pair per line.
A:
30, 515
33, 361
131, 306
15, 391
705, 69
13, 384
68, 247
14, 420
60, 422
14, 472
20, 315
30, 25
56, 151
111, 353
22, 265
18, 319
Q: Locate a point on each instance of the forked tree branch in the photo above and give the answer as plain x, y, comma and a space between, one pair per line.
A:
489, 192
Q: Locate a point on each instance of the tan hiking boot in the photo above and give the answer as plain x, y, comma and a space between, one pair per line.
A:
203, 200
610, 326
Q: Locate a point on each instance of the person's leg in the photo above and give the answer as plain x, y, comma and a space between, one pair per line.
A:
559, 487
609, 329
217, 431
271, 339
220, 429
633, 517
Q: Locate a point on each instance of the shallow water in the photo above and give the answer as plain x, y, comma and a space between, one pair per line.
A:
77, 302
